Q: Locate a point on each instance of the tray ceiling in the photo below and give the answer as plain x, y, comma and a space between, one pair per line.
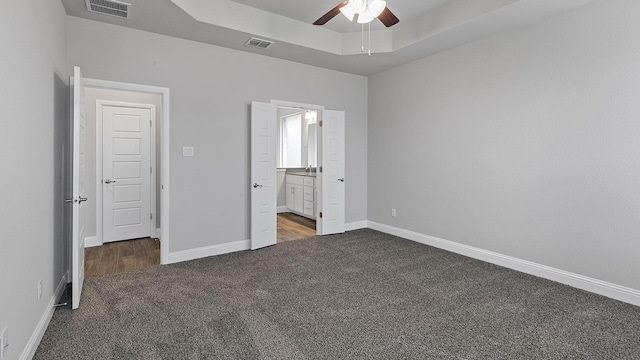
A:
426, 26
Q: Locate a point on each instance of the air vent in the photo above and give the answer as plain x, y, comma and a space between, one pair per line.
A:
258, 43
109, 7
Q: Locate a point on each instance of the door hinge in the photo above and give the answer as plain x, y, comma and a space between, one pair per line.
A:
320, 168
151, 123
320, 123
320, 214
151, 169
151, 216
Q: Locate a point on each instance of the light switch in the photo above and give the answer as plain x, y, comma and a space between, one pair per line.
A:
187, 151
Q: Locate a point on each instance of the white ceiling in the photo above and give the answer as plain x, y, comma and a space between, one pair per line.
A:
426, 26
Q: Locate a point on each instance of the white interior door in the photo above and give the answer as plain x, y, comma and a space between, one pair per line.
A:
126, 171
263, 175
78, 188
332, 178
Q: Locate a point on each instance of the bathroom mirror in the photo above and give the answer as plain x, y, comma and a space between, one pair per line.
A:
297, 138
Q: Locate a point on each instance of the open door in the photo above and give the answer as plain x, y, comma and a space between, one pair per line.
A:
332, 180
78, 187
263, 175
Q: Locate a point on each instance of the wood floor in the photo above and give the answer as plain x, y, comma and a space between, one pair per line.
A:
128, 255
121, 256
294, 227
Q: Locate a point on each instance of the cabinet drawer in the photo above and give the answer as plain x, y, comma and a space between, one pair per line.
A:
308, 181
308, 208
294, 179
308, 193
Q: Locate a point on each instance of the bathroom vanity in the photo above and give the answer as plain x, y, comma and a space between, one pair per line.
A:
301, 193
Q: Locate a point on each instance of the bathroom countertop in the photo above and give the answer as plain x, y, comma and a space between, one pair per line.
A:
300, 173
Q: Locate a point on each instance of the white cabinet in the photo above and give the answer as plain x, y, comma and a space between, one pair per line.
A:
309, 197
294, 197
301, 194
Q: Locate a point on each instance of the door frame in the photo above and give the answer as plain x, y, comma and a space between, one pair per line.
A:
100, 104
164, 153
319, 109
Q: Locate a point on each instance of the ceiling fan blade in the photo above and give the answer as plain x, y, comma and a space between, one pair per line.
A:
331, 14
388, 18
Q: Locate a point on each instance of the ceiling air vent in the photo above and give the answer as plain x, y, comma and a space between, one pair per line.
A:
109, 7
258, 43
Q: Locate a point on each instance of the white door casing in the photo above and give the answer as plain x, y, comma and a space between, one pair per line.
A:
126, 172
332, 177
263, 175
78, 187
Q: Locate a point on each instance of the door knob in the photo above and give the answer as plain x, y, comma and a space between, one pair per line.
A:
255, 185
82, 199
341, 179
109, 181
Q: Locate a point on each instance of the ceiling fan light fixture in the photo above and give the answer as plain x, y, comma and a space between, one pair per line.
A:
358, 5
376, 7
365, 17
353, 8
348, 12
367, 11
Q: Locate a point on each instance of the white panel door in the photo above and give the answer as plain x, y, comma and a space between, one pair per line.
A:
126, 172
263, 175
78, 188
332, 175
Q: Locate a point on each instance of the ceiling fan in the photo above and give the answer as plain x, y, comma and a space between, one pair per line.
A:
367, 10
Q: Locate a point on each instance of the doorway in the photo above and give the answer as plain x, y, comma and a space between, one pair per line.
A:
124, 126
296, 170
324, 188
80, 172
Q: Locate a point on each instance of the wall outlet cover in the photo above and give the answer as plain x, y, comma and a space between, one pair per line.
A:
188, 151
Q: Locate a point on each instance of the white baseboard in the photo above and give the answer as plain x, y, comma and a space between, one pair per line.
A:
38, 333
282, 209
192, 254
356, 225
622, 293
91, 241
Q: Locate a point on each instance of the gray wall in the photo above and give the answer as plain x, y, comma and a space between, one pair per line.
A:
92, 95
33, 132
525, 143
211, 88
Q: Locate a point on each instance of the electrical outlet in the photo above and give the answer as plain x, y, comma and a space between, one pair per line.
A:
39, 289
4, 342
393, 212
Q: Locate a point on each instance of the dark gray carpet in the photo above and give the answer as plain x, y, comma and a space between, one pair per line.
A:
359, 295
